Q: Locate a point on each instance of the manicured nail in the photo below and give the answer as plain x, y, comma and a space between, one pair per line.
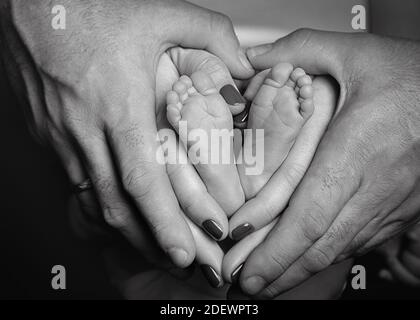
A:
213, 229
242, 231
179, 257
232, 95
244, 60
236, 273
241, 119
212, 276
258, 50
253, 285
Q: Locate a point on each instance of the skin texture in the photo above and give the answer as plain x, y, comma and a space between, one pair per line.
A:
363, 186
95, 103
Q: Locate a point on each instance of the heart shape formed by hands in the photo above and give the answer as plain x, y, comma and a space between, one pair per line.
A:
250, 224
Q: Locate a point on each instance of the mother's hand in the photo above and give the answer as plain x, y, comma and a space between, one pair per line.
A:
89, 91
363, 185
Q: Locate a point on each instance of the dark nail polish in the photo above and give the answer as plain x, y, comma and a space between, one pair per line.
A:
231, 95
213, 229
236, 273
212, 276
242, 231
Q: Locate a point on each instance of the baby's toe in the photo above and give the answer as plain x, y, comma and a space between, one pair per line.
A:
203, 83
279, 75
304, 81
306, 107
306, 92
181, 89
172, 98
188, 83
297, 73
173, 114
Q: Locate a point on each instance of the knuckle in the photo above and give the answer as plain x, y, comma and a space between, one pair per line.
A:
300, 36
317, 259
280, 260
271, 291
161, 229
313, 224
339, 232
104, 186
133, 137
138, 180
117, 218
221, 23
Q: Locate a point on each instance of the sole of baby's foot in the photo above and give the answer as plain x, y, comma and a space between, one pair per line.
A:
195, 104
282, 106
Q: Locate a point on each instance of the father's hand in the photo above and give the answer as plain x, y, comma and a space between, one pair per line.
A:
89, 91
363, 186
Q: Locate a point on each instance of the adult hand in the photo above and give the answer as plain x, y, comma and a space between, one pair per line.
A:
363, 184
89, 91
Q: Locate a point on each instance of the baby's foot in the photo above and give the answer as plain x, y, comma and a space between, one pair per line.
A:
281, 107
196, 103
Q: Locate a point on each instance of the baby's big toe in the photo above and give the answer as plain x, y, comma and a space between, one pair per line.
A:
279, 74
203, 83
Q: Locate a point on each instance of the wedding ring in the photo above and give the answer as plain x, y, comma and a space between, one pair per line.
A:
83, 186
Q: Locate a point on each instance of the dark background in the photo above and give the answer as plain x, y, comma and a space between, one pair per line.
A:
35, 231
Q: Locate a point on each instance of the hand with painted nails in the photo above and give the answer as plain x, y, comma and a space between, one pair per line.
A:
362, 187
205, 103
92, 97
288, 153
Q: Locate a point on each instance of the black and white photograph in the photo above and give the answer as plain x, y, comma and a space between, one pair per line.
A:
212, 155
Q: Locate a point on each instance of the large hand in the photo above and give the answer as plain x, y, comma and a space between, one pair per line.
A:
363, 185
89, 91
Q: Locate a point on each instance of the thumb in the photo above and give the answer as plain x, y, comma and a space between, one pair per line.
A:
213, 32
318, 52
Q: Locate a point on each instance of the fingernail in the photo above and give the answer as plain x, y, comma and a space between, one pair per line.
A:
236, 273
253, 285
242, 231
213, 229
258, 50
211, 275
179, 257
241, 119
244, 60
232, 95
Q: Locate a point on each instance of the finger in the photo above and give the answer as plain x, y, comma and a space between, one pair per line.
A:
147, 184
274, 197
189, 61
190, 190
91, 219
114, 204
209, 256
398, 213
411, 262
328, 247
236, 257
318, 52
136, 150
327, 186
362, 210
213, 32
401, 273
